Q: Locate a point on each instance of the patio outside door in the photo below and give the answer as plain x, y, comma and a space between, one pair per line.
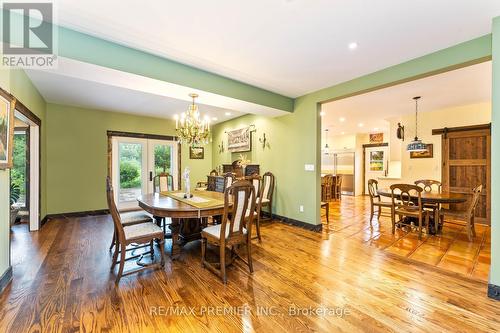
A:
135, 163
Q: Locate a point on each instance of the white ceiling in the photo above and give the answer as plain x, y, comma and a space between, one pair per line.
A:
86, 85
464, 86
288, 46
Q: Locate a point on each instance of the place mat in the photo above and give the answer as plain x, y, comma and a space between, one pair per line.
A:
198, 200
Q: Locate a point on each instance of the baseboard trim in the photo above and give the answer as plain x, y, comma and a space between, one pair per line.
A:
5, 279
97, 212
296, 223
494, 291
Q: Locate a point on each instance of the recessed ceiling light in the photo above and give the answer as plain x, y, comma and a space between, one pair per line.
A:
227, 113
214, 118
361, 125
353, 46
341, 119
322, 113
342, 133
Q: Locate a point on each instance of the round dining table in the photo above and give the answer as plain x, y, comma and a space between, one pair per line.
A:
186, 219
430, 198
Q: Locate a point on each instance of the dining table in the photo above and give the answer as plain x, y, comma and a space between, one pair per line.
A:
432, 197
187, 213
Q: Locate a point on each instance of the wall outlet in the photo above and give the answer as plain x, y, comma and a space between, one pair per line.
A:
309, 167
301, 208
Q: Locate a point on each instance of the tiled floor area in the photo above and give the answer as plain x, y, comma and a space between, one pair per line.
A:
451, 250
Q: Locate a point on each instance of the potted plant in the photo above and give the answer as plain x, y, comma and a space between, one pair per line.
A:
15, 193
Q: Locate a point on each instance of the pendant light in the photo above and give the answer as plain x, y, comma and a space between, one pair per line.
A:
326, 150
416, 145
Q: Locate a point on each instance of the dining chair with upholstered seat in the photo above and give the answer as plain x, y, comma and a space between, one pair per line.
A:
255, 179
131, 218
142, 233
162, 182
234, 230
466, 215
376, 201
266, 193
326, 206
228, 179
404, 206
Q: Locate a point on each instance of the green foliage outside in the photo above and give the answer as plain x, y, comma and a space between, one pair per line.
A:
130, 163
18, 171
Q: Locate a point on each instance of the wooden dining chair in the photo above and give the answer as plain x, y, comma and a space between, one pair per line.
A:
266, 194
143, 233
327, 188
255, 179
228, 179
466, 215
338, 187
430, 185
376, 201
163, 182
326, 206
403, 205
234, 230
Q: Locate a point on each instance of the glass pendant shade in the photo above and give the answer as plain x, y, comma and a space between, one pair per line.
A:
416, 145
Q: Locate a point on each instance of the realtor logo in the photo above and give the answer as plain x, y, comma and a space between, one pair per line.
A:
28, 35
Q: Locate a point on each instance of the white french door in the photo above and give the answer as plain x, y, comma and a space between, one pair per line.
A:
135, 163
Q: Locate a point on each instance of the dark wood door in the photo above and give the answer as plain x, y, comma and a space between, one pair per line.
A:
466, 164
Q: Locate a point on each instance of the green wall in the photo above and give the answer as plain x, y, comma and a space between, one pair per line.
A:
495, 158
289, 139
77, 154
17, 83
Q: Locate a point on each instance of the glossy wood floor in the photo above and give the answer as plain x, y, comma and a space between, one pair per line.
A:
62, 283
451, 250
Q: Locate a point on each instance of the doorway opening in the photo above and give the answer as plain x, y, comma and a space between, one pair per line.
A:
135, 159
452, 119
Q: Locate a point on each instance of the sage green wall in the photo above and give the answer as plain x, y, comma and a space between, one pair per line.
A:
495, 158
17, 83
290, 139
77, 154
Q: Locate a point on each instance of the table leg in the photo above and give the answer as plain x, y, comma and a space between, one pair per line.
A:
174, 227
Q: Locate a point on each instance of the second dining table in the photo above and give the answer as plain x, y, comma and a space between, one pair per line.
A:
442, 197
186, 213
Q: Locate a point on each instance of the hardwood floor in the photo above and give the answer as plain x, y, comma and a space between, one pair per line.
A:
62, 283
451, 250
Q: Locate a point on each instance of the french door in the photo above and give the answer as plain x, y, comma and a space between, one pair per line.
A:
375, 163
135, 163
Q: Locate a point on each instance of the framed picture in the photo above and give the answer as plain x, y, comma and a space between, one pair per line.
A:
429, 153
377, 138
196, 153
239, 140
7, 106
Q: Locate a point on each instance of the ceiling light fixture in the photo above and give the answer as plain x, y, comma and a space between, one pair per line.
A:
341, 119
416, 145
361, 125
214, 118
353, 46
227, 113
190, 128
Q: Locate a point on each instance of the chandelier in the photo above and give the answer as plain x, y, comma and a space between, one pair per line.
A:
416, 145
190, 128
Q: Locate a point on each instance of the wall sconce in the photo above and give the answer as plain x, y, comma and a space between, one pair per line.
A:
400, 132
264, 142
221, 147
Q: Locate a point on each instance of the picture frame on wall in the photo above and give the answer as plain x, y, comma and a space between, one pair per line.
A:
239, 140
7, 106
196, 153
429, 153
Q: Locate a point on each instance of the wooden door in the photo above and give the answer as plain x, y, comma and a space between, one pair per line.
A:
466, 154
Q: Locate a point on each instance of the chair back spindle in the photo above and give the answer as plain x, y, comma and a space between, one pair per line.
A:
163, 182
242, 196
